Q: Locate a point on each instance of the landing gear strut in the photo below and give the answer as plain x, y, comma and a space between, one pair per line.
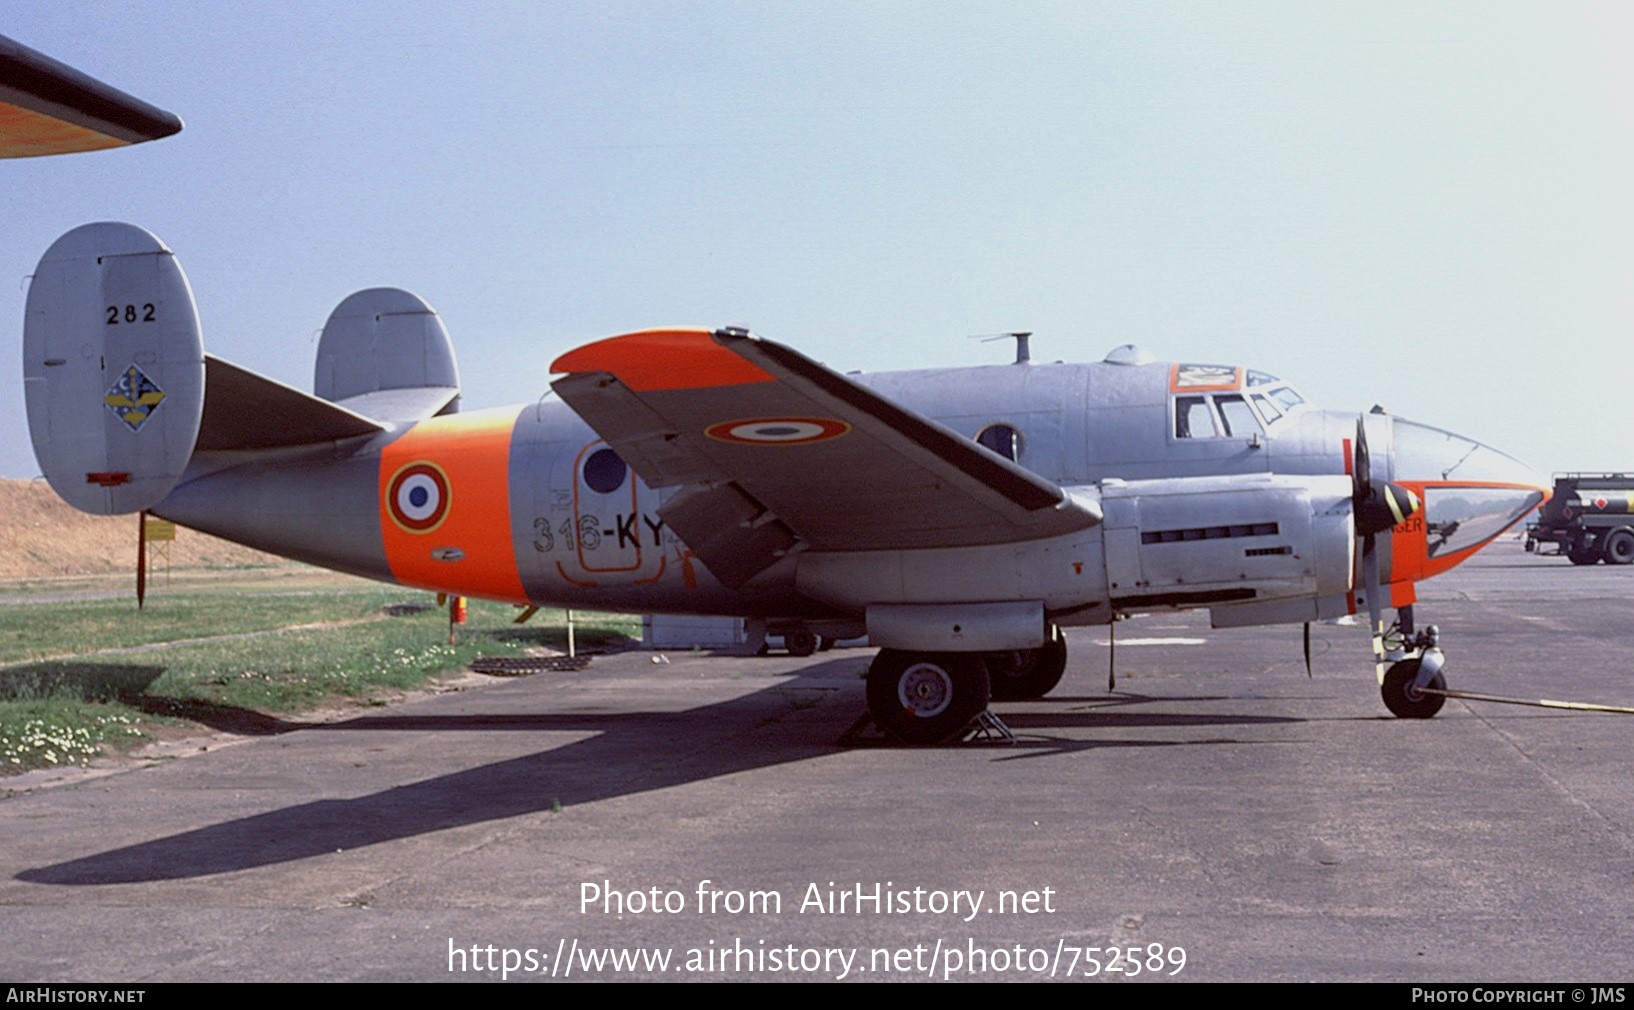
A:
926, 697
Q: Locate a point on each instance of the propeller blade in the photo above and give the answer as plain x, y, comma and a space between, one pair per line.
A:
1307, 650
1375, 608
1364, 465
1377, 507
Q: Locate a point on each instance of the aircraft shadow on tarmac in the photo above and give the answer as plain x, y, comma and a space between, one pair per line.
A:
632, 752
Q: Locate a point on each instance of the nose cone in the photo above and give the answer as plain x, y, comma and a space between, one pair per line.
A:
1471, 492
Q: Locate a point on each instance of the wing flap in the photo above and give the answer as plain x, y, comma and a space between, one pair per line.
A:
729, 531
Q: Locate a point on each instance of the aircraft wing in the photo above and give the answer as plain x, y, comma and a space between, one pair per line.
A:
47, 107
775, 450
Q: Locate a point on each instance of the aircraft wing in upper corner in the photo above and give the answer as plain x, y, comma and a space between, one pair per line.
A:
47, 107
775, 449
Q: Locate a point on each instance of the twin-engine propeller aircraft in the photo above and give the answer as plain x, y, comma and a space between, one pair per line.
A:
958, 517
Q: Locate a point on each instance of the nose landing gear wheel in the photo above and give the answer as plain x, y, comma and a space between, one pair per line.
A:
1404, 700
926, 697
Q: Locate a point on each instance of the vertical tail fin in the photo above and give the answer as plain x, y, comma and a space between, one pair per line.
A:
113, 368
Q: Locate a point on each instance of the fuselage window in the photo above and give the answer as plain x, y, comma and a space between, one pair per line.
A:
604, 471
1002, 439
1268, 410
1193, 418
1238, 416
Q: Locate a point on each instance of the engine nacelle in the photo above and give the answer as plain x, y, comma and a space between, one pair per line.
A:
1227, 541
958, 627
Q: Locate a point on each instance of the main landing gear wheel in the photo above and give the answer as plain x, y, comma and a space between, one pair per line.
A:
1403, 699
926, 697
800, 642
1027, 673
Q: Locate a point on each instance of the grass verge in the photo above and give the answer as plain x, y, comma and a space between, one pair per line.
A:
70, 708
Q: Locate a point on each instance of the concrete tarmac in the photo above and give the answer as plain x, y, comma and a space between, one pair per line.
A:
1219, 814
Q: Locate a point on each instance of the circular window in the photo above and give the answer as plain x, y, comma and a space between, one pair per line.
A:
604, 471
1002, 439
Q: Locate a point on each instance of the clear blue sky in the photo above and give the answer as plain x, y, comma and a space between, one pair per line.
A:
1421, 205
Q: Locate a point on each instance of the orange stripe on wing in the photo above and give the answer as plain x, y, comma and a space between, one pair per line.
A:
452, 535
663, 359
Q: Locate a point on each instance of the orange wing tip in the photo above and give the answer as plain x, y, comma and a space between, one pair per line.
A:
664, 359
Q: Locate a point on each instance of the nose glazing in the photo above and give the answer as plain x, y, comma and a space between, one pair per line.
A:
1472, 492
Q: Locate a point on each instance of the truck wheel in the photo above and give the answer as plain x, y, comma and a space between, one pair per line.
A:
1620, 547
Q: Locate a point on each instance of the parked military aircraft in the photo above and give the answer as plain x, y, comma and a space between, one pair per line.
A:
960, 517
47, 107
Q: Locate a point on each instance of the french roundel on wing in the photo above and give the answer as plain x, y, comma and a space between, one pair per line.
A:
418, 497
777, 430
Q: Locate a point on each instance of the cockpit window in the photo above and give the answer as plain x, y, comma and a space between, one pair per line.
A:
1193, 418
1238, 416
1286, 397
1227, 415
1188, 377
1211, 401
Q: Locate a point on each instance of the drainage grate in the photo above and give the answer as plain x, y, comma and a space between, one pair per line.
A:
521, 666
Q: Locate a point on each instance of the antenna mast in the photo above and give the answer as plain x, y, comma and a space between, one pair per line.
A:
1023, 353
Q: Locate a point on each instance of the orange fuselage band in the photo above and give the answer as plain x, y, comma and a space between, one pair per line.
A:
445, 506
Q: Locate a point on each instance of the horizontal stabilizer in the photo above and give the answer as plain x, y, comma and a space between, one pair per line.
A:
244, 410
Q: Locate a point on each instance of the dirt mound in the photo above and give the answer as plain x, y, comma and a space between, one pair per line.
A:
42, 538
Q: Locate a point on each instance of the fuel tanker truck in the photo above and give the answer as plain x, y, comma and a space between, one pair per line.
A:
1589, 518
